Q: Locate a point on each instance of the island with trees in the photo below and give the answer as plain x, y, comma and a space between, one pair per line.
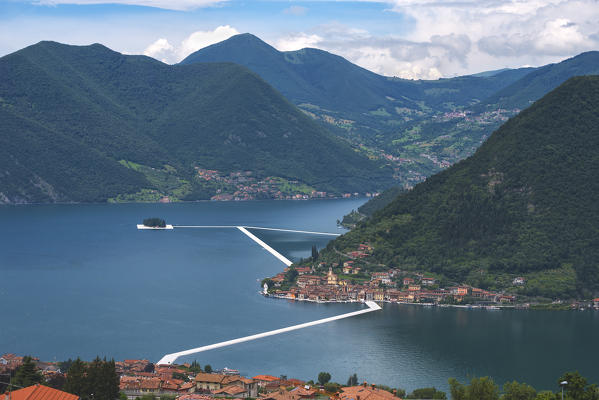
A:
154, 223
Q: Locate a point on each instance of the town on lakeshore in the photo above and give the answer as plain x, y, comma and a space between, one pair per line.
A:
355, 281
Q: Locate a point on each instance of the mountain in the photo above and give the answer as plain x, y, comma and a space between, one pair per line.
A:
309, 76
537, 83
85, 123
420, 126
326, 80
525, 204
379, 114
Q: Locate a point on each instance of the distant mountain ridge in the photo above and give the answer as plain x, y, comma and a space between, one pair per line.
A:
537, 83
421, 126
525, 204
85, 123
330, 81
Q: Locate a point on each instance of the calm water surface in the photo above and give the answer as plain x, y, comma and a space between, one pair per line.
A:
80, 280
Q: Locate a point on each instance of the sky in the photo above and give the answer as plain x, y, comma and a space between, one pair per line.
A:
415, 39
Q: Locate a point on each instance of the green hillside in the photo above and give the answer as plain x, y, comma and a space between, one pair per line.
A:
85, 123
537, 83
525, 204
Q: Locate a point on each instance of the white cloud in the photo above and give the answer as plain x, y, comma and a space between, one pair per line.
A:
296, 10
201, 39
297, 41
456, 37
166, 4
162, 50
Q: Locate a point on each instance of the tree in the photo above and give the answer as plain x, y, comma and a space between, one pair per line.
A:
575, 389
482, 389
93, 379
109, 384
479, 389
149, 367
314, 253
546, 395
65, 365
56, 381
332, 387
427, 393
27, 374
76, 379
155, 222
291, 274
457, 389
195, 367
208, 369
179, 375
352, 380
324, 377
518, 391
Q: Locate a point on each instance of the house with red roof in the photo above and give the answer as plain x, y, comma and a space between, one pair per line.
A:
39, 392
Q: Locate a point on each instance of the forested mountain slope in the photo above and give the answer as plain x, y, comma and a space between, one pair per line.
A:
526, 203
85, 123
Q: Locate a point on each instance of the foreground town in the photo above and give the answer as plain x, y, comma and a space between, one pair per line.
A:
141, 379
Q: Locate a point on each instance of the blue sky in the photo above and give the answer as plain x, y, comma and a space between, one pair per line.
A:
407, 38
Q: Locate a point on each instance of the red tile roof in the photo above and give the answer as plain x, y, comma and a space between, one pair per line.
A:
267, 378
40, 392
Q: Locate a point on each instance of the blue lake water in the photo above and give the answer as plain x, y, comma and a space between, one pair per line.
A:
81, 280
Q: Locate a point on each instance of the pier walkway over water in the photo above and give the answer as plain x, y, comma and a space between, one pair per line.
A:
265, 246
372, 306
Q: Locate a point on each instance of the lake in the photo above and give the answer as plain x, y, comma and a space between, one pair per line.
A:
81, 280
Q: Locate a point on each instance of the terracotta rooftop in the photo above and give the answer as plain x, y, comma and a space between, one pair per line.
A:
212, 378
230, 390
40, 392
365, 392
267, 378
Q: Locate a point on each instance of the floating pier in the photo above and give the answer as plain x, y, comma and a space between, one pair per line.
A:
171, 358
266, 247
155, 228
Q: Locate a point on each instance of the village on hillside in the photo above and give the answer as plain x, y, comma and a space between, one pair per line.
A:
349, 282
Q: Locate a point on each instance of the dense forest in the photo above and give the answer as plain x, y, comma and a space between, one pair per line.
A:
526, 203
85, 123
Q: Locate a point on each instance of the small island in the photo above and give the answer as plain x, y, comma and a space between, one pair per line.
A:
154, 223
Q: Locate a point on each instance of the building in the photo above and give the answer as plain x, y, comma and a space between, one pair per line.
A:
262, 380
331, 277
209, 381
414, 288
408, 281
519, 281
428, 281
40, 392
281, 394
215, 383
365, 392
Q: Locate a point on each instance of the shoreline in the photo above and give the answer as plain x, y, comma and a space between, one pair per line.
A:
182, 201
490, 307
463, 306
